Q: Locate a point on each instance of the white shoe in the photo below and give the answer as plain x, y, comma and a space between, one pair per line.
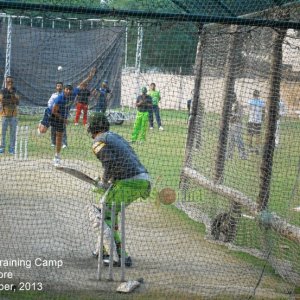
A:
52, 145
64, 146
56, 161
76, 124
151, 128
161, 128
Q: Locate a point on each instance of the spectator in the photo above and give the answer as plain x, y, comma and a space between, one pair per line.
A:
235, 137
256, 118
9, 100
281, 114
103, 94
155, 95
189, 107
143, 104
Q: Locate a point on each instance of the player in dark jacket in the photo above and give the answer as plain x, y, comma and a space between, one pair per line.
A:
103, 95
82, 102
144, 105
123, 171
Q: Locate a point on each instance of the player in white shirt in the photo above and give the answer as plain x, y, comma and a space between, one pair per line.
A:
256, 118
281, 113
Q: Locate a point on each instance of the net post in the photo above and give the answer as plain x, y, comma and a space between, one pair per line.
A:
100, 243
112, 242
123, 252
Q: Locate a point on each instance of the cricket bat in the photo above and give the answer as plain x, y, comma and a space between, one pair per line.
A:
80, 175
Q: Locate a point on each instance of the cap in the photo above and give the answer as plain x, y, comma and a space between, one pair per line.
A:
68, 86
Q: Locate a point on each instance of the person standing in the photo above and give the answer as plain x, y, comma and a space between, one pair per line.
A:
144, 105
281, 114
123, 174
82, 102
235, 137
9, 100
60, 113
256, 118
103, 95
155, 95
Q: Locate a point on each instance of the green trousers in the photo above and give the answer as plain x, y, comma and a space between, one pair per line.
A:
140, 126
125, 191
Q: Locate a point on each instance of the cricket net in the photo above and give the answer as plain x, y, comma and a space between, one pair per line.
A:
227, 142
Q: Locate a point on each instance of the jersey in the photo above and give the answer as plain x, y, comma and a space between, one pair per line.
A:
236, 113
155, 95
51, 100
65, 103
118, 159
147, 103
9, 103
256, 110
83, 96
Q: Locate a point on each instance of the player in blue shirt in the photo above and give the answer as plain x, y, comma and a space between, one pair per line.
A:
103, 95
60, 112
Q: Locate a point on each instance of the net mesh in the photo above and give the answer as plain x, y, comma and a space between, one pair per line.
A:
224, 137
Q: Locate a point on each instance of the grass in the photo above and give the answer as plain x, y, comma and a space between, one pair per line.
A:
163, 155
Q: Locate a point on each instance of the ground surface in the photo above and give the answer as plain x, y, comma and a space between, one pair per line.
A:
43, 216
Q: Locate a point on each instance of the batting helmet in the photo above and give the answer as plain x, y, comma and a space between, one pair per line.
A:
97, 123
144, 90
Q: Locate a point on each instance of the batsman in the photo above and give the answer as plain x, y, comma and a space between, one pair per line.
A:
124, 175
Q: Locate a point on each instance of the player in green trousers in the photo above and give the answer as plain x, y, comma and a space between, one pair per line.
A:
123, 174
143, 104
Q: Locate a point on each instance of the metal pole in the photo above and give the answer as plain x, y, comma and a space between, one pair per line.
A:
112, 242
100, 250
8, 49
138, 57
126, 41
17, 141
26, 136
21, 137
123, 253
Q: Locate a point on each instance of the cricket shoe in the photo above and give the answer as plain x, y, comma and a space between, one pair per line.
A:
96, 209
128, 262
56, 161
96, 255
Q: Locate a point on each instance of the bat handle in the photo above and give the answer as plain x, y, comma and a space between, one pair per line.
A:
103, 198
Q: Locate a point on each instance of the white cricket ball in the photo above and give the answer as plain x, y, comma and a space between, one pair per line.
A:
59, 68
